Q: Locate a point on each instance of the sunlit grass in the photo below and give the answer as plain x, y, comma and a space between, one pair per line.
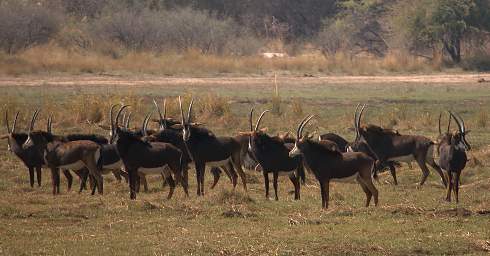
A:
409, 220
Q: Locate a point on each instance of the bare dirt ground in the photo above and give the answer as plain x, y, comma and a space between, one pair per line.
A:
147, 80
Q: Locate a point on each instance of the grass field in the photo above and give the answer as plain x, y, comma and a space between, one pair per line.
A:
410, 220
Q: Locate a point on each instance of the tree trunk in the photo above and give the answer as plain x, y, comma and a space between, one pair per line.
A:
453, 47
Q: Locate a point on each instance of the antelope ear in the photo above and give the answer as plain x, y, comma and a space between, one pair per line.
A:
310, 136
4, 137
264, 129
196, 124
245, 133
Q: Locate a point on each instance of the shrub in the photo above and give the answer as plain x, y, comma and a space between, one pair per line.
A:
479, 62
133, 30
22, 26
84, 8
181, 30
188, 28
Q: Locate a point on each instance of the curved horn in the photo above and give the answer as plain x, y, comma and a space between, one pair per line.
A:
449, 123
164, 109
119, 114
159, 114
457, 122
360, 116
299, 127
260, 119
440, 131
33, 120
145, 123
356, 128
127, 120
304, 124
50, 123
189, 113
181, 111
250, 119
14, 125
463, 127
7, 121
123, 117
111, 112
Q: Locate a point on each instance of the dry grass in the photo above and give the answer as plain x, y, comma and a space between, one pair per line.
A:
409, 220
111, 59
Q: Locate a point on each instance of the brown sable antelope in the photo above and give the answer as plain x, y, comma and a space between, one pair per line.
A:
66, 155
150, 157
29, 156
342, 144
205, 149
327, 163
272, 155
452, 154
389, 145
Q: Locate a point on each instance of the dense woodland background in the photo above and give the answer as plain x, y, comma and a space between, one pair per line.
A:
440, 32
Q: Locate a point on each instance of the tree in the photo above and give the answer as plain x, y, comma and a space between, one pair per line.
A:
446, 22
357, 27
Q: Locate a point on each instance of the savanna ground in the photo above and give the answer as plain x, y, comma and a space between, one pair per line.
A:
409, 220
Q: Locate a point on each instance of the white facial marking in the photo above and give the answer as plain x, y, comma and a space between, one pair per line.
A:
295, 151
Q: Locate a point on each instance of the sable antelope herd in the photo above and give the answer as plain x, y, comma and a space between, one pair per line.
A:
169, 151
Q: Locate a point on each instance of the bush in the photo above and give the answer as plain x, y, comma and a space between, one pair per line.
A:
188, 29
180, 30
244, 45
23, 26
133, 30
480, 62
84, 8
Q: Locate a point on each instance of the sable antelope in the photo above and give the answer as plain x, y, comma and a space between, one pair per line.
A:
110, 161
342, 143
272, 155
150, 157
328, 163
205, 148
29, 156
452, 154
171, 132
66, 155
389, 145
360, 146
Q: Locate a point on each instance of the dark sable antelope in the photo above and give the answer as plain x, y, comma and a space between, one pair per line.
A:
171, 132
328, 163
110, 160
389, 145
204, 148
29, 156
452, 154
342, 143
272, 155
142, 156
58, 153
